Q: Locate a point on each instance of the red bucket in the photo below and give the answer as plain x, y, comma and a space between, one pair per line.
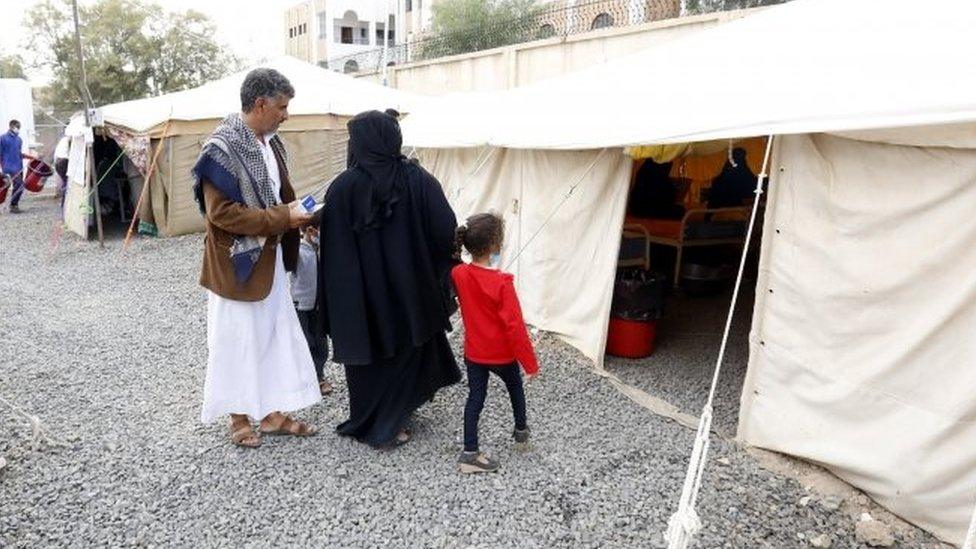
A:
631, 338
36, 172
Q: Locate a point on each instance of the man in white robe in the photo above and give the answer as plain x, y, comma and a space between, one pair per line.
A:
258, 363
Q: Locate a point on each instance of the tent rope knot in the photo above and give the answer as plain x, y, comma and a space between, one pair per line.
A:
685, 523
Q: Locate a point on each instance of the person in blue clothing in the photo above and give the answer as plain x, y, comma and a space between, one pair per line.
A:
12, 163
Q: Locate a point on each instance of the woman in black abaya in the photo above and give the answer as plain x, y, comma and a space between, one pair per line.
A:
387, 239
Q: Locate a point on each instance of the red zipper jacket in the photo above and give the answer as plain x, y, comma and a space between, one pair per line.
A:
494, 332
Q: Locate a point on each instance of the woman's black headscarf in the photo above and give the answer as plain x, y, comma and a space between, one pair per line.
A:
734, 185
374, 147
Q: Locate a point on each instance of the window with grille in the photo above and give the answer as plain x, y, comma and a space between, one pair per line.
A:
602, 21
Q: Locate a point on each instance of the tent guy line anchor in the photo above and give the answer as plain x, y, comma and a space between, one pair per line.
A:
970, 542
39, 433
685, 522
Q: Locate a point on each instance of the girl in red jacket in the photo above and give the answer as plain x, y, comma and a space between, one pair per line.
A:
495, 338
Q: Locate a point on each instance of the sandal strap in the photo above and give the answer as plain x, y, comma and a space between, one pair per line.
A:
244, 433
294, 427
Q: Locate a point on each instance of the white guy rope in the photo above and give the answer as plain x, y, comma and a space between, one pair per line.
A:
486, 152
39, 433
970, 542
685, 523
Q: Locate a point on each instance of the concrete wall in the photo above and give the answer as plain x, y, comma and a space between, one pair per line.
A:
523, 64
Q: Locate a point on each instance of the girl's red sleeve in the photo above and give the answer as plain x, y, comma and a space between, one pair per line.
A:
518, 336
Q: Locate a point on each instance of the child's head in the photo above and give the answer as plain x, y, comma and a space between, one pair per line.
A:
482, 234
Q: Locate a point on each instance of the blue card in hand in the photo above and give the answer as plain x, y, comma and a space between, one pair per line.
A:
308, 203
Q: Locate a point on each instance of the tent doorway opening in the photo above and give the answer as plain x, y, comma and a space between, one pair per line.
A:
120, 184
682, 242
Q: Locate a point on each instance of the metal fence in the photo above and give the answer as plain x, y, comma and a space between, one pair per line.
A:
547, 21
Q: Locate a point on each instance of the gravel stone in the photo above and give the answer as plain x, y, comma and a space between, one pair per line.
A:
822, 541
110, 353
874, 533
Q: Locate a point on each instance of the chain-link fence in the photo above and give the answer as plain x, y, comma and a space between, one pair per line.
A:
694, 7
546, 21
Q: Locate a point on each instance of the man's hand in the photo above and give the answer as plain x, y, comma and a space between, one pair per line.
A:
297, 217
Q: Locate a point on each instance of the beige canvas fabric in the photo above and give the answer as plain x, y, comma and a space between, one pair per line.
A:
565, 274
864, 335
313, 158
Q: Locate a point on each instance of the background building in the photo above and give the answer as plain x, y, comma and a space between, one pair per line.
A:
347, 36
319, 30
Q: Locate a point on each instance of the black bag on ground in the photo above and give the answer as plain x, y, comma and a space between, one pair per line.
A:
637, 295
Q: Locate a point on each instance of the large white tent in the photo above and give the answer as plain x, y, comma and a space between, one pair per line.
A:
178, 122
861, 352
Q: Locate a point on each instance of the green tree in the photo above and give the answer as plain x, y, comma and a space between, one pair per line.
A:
11, 66
708, 6
133, 49
461, 26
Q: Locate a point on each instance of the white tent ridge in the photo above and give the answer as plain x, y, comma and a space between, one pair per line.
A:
805, 67
317, 91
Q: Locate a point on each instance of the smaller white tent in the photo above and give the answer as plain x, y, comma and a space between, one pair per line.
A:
16, 103
862, 349
315, 136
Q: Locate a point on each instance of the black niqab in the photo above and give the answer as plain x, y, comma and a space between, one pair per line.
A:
374, 147
734, 185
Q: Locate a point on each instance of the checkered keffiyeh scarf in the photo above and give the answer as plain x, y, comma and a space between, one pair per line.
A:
231, 160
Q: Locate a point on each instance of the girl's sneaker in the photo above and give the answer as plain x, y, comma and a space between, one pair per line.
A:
521, 437
476, 462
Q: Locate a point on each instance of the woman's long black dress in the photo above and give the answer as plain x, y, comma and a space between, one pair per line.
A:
387, 236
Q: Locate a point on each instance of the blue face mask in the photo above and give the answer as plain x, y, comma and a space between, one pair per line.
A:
495, 260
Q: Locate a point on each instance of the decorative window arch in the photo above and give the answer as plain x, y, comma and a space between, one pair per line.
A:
602, 21
350, 66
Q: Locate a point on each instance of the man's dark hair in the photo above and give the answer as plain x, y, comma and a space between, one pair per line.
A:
15, 123
393, 112
480, 233
263, 82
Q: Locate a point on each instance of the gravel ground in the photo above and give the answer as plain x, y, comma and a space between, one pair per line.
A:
110, 354
688, 339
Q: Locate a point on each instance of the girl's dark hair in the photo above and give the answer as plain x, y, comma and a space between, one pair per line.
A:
480, 233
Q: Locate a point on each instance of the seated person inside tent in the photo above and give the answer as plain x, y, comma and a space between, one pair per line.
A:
655, 194
735, 186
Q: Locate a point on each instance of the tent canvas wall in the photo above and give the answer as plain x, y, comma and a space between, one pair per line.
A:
883, 405
16, 102
178, 123
861, 353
